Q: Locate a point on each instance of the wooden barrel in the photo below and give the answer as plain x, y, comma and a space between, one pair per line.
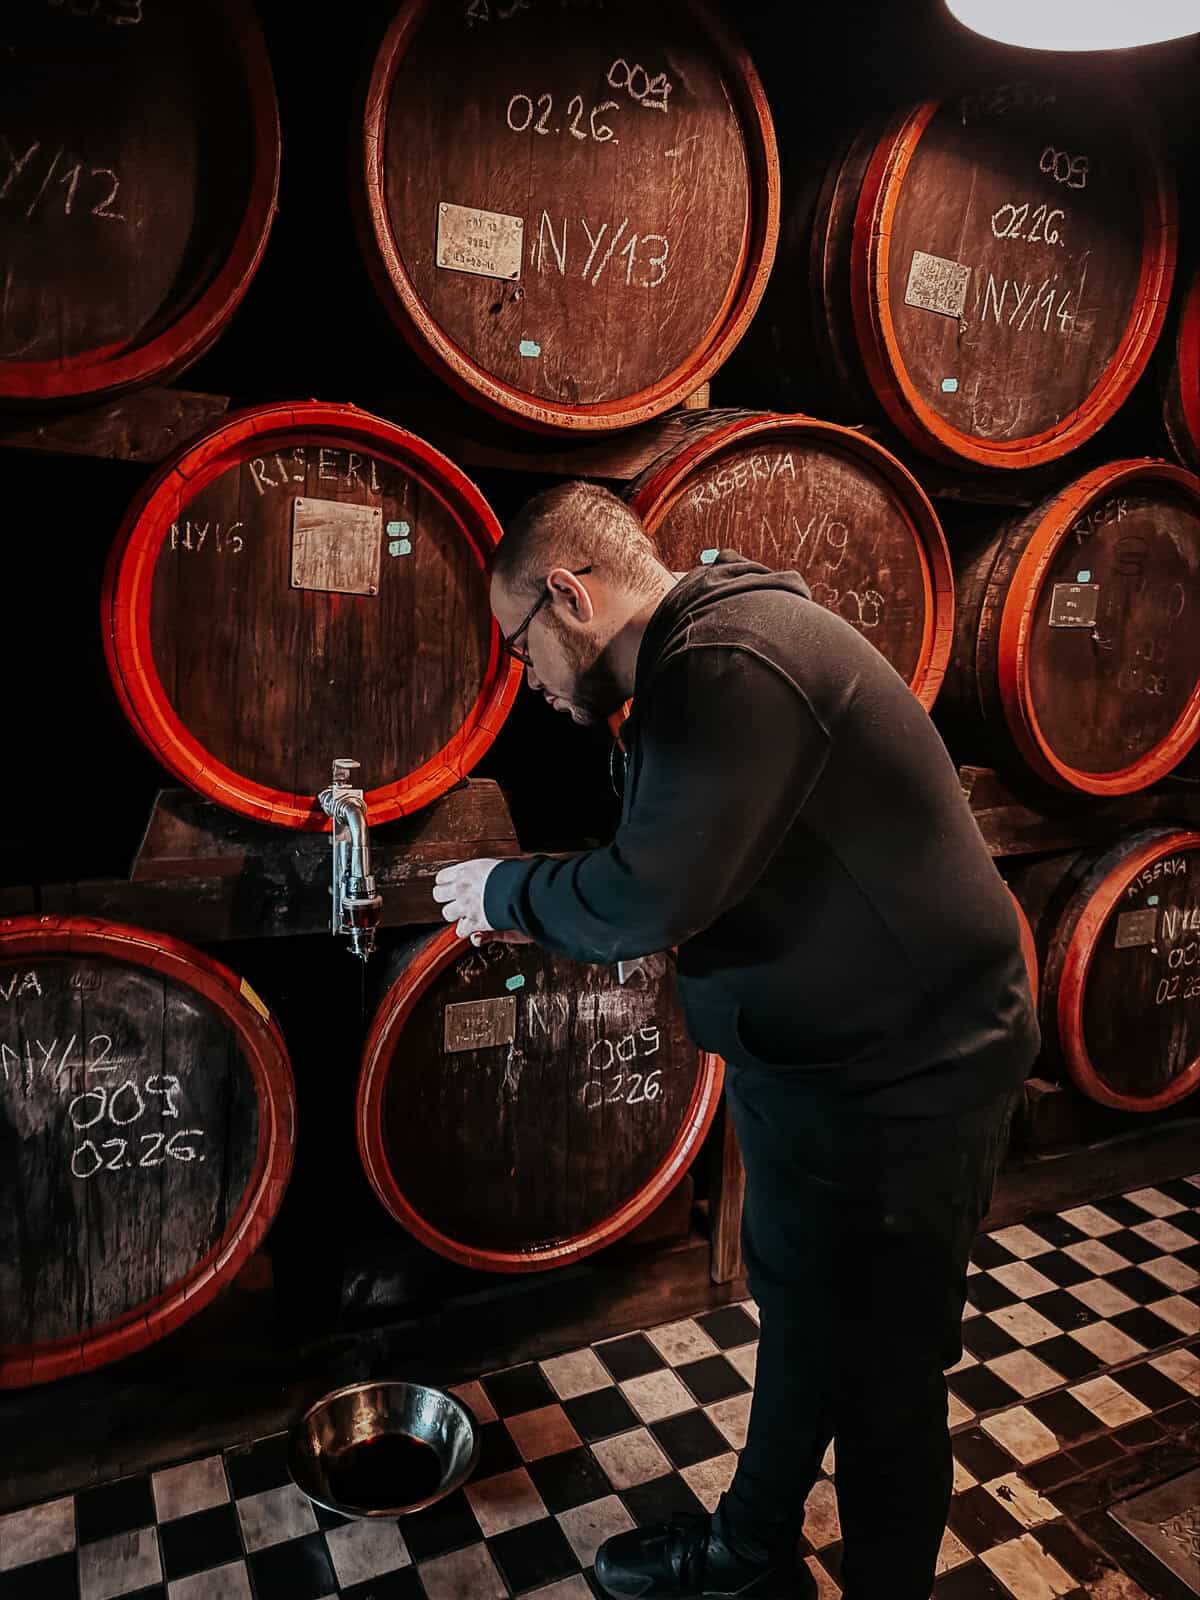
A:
517, 1111
569, 210
1077, 647
1181, 379
306, 582
147, 1121
141, 168
1028, 946
991, 271
1118, 934
796, 493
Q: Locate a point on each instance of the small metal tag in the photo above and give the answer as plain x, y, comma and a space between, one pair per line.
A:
1135, 928
487, 243
480, 1024
336, 546
1074, 605
935, 284
648, 968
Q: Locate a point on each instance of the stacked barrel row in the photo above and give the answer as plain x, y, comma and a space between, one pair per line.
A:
309, 579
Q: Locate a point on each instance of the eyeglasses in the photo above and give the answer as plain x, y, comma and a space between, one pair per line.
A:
509, 640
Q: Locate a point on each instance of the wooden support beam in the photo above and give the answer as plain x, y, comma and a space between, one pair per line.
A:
1032, 824
145, 425
727, 1192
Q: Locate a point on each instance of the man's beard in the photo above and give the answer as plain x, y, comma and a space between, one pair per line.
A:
595, 693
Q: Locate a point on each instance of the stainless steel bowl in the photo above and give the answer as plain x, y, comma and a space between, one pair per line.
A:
327, 1436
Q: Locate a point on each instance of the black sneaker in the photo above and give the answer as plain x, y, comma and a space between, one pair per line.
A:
686, 1557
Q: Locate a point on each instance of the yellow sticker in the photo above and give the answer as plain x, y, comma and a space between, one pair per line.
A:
249, 994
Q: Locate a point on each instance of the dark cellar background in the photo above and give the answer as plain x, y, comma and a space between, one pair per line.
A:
78, 784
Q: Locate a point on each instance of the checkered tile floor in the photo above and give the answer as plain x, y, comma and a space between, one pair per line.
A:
1081, 1334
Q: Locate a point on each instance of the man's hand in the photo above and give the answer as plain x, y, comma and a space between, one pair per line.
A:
459, 892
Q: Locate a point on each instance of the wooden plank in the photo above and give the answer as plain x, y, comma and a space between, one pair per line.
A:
208, 875
727, 1191
1012, 825
145, 425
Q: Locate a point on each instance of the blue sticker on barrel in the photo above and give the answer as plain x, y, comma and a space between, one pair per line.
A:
709, 556
515, 983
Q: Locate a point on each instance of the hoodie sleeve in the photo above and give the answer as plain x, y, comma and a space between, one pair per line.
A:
730, 751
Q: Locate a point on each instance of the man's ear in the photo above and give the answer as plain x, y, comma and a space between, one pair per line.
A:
571, 593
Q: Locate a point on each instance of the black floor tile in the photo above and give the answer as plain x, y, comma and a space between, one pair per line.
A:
329, 1519
600, 1414
1064, 1310
1186, 1222
1082, 1561
402, 1585
986, 1339
971, 1581
1191, 1257
988, 1293
1099, 1452
204, 1539
688, 1438
1122, 1211
712, 1379
1061, 1269
729, 1326
114, 1508
1131, 1245
497, 1451
519, 1389
254, 1468
571, 1478
989, 1252
534, 1555
1138, 1285
629, 1357
298, 1569
448, 1525
1137, 1435
980, 1521
1064, 1416
1184, 1415
54, 1579
1181, 1190
1055, 1230
1050, 1472
660, 1500
1068, 1358
982, 1389
1150, 1331
981, 1455
1152, 1387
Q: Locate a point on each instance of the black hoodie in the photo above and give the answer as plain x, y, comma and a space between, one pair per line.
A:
794, 825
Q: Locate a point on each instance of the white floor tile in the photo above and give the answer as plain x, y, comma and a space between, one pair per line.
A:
507, 1500
708, 1480
1102, 1297
365, 1549
1095, 1256
468, 1574
1020, 1500
580, 1372
587, 1526
119, 1565
657, 1395
678, 1342
953, 1553
1182, 1367
1163, 1236
1026, 1570
732, 1416
37, 1532
631, 1458
194, 1486
475, 1399
744, 1360
821, 1524
1022, 1279
1108, 1401
1107, 1342
274, 1515
1180, 1313
1026, 1325
1174, 1273
1022, 1370
826, 1588
1022, 1435
1155, 1202
1090, 1221
1021, 1242
230, 1582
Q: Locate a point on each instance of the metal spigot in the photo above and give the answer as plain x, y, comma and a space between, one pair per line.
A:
356, 905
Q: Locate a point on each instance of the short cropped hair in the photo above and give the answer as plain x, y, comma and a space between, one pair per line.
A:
576, 525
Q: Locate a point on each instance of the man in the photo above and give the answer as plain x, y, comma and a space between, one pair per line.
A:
793, 826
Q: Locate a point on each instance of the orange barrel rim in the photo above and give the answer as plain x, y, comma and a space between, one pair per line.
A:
1087, 914
266, 1056
662, 487
452, 364
126, 606
879, 344
440, 952
112, 369
1016, 623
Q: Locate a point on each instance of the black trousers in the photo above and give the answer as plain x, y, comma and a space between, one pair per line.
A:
856, 1233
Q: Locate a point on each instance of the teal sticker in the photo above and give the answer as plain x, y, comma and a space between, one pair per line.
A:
397, 530
529, 347
709, 556
949, 385
1153, 900
1085, 576
399, 547
515, 983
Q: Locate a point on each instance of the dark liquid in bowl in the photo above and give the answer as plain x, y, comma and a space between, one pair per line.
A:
392, 1470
